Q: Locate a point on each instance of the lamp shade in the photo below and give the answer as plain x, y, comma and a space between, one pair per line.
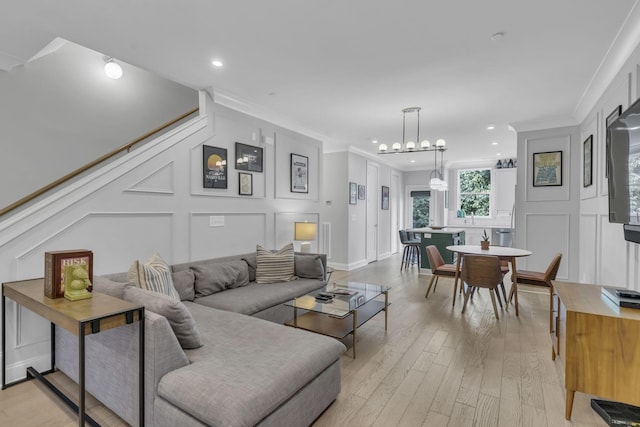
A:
305, 231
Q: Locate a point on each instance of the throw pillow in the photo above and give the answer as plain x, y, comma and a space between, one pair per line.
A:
243, 274
180, 319
154, 275
184, 281
273, 267
216, 277
309, 266
252, 263
109, 287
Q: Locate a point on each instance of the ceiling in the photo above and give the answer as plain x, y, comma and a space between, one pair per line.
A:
342, 71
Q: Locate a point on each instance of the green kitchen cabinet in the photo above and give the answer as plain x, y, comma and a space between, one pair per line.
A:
440, 239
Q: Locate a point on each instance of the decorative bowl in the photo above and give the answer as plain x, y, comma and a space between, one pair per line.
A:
436, 227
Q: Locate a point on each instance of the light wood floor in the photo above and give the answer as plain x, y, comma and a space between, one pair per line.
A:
434, 366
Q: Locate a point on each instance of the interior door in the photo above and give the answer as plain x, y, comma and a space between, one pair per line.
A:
373, 201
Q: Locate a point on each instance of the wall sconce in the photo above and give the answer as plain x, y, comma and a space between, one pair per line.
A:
305, 231
112, 69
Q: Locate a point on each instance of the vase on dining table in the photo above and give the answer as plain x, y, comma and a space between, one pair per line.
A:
484, 245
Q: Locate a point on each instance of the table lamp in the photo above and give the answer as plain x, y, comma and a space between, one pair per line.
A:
305, 231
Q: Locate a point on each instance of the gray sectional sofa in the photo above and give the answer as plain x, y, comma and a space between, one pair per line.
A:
250, 370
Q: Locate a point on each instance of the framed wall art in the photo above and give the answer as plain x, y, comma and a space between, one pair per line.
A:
214, 167
353, 193
547, 169
385, 198
299, 174
248, 157
361, 192
245, 186
587, 162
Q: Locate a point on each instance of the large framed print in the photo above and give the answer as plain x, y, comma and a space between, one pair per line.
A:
299, 174
385, 198
547, 169
245, 186
248, 157
214, 167
587, 162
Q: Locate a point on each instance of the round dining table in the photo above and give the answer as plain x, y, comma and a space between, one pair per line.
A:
503, 252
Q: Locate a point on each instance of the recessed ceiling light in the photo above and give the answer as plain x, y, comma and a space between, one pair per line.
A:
491, 126
494, 143
374, 141
497, 154
413, 161
217, 63
497, 36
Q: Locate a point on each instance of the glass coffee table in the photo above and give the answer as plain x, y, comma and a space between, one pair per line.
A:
352, 304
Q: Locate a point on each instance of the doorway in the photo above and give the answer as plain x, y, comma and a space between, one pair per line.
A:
372, 212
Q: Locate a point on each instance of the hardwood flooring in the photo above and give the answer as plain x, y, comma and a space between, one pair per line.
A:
434, 367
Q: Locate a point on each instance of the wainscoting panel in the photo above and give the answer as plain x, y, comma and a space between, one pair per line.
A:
590, 128
546, 234
160, 181
140, 234
233, 233
325, 239
588, 248
613, 264
548, 144
284, 228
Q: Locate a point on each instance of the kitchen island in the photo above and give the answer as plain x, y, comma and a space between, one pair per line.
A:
440, 239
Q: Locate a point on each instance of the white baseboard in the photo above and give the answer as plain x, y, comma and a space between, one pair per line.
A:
18, 370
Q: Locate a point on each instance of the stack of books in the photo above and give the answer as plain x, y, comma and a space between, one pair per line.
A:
622, 297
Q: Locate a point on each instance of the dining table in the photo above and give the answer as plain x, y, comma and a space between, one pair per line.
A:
502, 252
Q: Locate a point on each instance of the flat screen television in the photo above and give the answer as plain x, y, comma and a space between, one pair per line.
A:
623, 171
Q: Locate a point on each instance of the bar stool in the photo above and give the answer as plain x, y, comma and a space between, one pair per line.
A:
411, 252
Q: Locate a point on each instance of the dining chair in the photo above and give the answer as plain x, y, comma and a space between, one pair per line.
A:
438, 268
538, 278
481, 271
411, 252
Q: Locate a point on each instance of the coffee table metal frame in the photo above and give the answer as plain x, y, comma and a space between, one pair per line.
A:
332, 318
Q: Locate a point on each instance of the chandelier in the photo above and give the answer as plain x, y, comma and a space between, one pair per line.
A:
435, 182
411, 146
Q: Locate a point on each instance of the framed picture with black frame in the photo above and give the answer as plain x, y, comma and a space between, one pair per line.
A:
245, 184
248, 157
385, 198
547, 169
353, 193
214, 167
299, 173
587, 162
361, 192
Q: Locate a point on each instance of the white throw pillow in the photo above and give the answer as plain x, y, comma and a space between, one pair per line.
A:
154, 275
273, 267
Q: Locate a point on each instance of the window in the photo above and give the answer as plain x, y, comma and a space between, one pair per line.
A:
474, 191
420, 208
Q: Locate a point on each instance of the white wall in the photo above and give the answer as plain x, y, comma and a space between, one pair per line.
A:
547, 218
349, 221
153, 200
61, 111
605, 257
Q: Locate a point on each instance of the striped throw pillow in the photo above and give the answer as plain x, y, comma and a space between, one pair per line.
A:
273, 267
154, 275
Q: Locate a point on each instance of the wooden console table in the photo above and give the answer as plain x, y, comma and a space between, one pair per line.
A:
598, 342
81, 318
